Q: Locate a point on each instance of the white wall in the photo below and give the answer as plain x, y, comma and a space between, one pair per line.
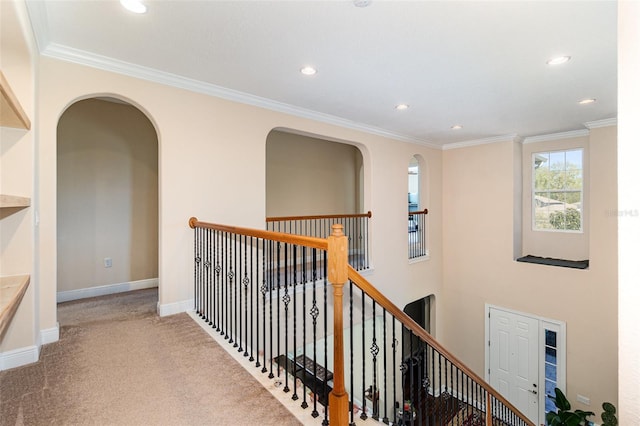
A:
107, 163
629, 201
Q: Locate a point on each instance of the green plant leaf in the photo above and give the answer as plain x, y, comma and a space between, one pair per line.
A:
609, 419
561, 401
609, 407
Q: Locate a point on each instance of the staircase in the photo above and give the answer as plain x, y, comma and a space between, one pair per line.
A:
293, 308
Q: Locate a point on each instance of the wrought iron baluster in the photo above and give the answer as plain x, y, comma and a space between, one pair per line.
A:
363, 414
271, 281
286, 299
196, 279
394, 345
295, 316
263, 290
245, 283
304, 323
385, 419
278, 273
217, 289
375, 349
314, 314
351, 352
325, 392
208, 266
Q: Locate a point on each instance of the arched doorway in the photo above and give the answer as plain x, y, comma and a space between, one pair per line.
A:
107, 199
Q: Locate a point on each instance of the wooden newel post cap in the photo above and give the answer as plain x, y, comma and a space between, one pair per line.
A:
337, 230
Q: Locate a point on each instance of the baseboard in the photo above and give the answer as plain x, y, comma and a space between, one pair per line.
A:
103, 290
19, 357
50, 335
175, 308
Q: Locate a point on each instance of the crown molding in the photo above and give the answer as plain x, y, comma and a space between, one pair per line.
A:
601, 123
556, 136
37, 11
512, 137
81, 57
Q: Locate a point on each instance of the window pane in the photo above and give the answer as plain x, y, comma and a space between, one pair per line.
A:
549, 387
557, 160
551, 355
574, 158
550, 371
550, 338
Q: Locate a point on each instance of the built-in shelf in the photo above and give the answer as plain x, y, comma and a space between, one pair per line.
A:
12, 290
13, 201
11, 112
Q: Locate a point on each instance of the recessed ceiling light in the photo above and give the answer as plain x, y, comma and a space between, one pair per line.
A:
402, 107
134, 6
456, 127
308, 70
587, 101
361, 3
558, 60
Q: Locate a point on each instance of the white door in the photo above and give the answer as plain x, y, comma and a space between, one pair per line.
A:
513, 360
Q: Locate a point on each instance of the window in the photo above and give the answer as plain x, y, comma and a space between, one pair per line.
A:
550, 369
557, 190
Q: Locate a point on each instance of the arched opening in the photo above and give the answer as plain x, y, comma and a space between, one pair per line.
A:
414, 184
417, 223
308, 175
107, 199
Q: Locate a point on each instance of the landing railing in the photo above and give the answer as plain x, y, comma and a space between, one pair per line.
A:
342, 353
417, 233
355, 226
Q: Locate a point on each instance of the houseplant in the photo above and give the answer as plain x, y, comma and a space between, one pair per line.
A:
564, 416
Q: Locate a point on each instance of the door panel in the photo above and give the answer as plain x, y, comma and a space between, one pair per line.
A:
513, 359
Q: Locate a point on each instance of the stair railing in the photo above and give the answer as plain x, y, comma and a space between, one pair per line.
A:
417, 227
355, 227
268, 294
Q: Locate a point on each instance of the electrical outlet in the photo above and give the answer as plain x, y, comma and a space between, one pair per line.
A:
107, 262
583, 399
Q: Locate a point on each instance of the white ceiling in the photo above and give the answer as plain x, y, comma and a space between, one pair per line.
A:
480, 64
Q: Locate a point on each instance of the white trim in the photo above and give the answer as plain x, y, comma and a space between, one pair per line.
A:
175, 308
39, 22
83, 293
601, 123
81, 57
556, 136
513, 137
19, 357
50, 335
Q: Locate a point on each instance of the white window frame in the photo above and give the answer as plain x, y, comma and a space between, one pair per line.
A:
533, 191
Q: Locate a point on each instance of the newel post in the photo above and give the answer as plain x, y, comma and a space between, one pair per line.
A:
337, 259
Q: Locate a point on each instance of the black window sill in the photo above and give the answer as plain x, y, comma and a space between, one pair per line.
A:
576, 264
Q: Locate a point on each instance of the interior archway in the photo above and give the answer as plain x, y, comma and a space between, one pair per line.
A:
107, 199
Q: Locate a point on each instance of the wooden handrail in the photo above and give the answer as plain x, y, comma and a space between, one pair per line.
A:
319, 243
325, 216
337, 247
410, 324
425, 211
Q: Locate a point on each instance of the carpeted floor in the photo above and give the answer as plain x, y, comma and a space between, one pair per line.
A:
118, 363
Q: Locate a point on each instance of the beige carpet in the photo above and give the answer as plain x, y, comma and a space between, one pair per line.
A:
118, 363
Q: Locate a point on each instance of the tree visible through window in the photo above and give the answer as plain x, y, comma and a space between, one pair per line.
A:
557, 190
